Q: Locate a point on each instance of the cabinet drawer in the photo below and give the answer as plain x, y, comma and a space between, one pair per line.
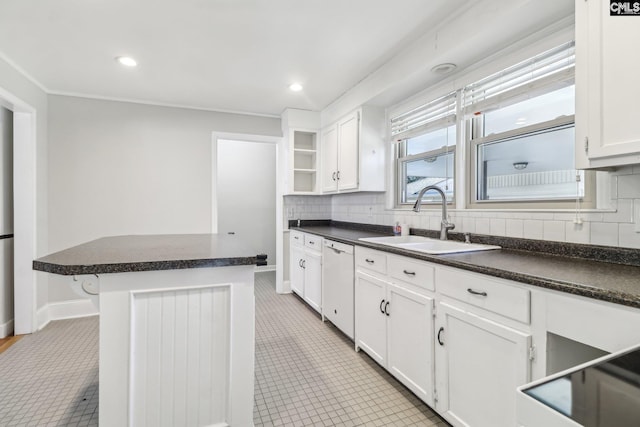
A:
296, 238
371, 260
494, 295
313, 242
411, 271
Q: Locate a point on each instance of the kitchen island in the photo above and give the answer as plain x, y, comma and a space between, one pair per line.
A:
176, 326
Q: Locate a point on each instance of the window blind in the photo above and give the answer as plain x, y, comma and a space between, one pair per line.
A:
554, 68
435, 114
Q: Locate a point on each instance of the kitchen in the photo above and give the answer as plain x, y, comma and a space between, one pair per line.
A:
89, 169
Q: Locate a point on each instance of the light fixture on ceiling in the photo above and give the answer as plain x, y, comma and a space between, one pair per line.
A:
127, 61
295, 87
520, 165
445, 68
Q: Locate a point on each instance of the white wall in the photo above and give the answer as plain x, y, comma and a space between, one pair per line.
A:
123, 168
247, 193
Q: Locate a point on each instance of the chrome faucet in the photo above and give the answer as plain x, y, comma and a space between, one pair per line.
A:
445, 225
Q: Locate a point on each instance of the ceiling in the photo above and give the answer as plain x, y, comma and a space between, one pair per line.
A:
229, 55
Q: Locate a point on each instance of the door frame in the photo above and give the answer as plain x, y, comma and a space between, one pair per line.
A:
280, 176
24, 212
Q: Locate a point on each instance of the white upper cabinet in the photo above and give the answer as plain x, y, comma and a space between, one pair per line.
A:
353, 152
607, 92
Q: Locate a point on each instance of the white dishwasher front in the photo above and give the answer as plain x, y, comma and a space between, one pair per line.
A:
337, 285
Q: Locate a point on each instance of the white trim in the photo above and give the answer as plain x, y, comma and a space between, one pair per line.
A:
6, 329
157, 104
264, 268
24, 227
42, 317
71, 309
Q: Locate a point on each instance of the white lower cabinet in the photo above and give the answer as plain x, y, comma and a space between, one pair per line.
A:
479, 365
394, 325
305, 262
410, 340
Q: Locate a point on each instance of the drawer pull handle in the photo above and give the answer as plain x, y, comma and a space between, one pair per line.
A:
370, 261
386, 307
440, 331
482, 294
333, 176
410, 273
381, 309
311, 242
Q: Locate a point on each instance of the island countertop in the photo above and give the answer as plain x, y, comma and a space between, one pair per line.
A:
120, 254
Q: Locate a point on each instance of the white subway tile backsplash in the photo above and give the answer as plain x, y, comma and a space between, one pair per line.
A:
514, 228
623, 213
578, 233
469, 225
628, 237
603, 233
497, 226
483, 225
533, 228
554, 230
628, 187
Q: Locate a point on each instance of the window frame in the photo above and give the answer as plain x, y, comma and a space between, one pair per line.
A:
401, 179
472, 144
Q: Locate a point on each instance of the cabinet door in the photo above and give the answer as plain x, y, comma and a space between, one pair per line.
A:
329, 159
480, 365
607, 92
296, 271
348, 133
313, 279
410, 340
370, 320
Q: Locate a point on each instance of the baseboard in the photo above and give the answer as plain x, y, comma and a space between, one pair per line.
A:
6, 329
72, 309
264, 268
65, 310
42, 317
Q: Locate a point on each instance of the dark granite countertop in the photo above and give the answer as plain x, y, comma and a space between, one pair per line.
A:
605, 281
121, 254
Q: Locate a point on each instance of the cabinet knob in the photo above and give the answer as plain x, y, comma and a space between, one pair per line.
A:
370, 261
381, 309
333, 176
338, 175
409, 273
440, 331
386, 308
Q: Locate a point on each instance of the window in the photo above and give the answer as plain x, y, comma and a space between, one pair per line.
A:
426, 138
427, 159
522, 133
516, 130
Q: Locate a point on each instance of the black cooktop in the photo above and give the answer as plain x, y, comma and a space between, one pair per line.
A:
604, 394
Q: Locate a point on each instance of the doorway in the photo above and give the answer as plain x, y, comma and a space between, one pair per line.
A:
246, 194
6, 223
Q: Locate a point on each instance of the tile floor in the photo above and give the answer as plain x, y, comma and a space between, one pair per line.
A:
306, 374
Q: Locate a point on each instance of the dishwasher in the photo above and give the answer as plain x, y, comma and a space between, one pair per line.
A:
337, 285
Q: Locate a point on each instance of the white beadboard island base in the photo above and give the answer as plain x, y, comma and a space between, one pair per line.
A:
176, 345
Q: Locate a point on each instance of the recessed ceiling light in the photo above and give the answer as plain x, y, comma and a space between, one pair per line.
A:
126, 61
295, 87
444, 68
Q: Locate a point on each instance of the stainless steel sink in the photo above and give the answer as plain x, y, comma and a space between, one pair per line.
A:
428, 245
